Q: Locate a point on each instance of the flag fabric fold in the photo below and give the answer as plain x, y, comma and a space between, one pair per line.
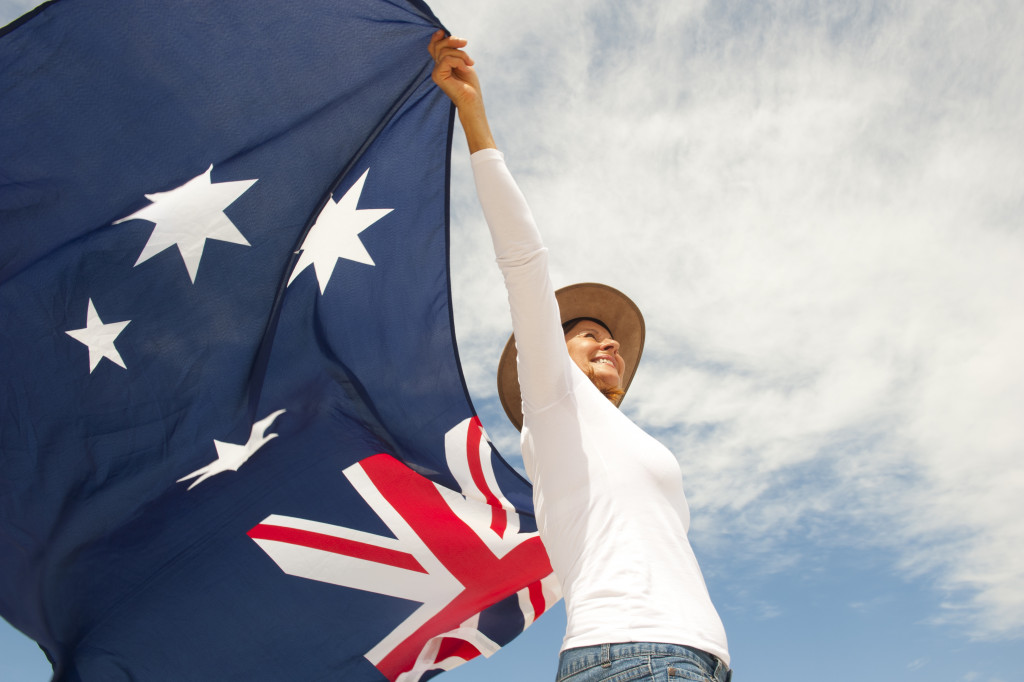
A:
234, 437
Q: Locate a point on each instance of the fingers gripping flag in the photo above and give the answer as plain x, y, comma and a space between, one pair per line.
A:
224, 296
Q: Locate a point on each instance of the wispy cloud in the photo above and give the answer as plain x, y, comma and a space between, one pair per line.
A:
819, 208
12, 9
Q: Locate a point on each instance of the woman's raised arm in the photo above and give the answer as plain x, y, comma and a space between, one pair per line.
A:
455, 75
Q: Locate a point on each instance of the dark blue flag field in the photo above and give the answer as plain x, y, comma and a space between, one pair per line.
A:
235, 442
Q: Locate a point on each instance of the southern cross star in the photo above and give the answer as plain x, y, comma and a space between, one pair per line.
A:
189, 215
336, 235
231, 456
99, 337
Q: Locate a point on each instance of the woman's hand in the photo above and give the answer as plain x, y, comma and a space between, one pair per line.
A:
455, 75
453, 70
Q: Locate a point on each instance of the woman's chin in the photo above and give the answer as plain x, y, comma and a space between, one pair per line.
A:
604, 380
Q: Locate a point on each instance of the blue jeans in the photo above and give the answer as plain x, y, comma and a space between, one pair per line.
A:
644, 661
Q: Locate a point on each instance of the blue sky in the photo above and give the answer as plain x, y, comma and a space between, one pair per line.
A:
818, 206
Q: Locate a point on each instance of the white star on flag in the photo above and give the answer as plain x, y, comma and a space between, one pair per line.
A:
189, 215
231, 456
99, 337
336, 235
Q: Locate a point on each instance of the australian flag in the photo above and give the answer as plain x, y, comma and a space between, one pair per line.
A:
235, 442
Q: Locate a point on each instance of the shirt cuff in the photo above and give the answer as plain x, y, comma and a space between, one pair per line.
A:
484, 155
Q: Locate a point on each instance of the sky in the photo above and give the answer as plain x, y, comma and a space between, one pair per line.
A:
819, 206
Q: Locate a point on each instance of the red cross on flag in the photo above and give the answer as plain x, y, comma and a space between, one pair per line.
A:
456, 554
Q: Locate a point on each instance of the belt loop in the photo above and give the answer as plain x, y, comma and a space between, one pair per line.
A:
606, 655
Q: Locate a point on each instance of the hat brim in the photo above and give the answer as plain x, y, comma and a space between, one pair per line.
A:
597, 301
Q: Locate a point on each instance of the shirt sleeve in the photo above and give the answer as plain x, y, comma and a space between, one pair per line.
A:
544, 365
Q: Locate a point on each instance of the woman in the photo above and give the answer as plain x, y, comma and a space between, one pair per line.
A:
608, 498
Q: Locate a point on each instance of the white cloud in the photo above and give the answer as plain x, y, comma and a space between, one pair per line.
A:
819, 208
12, 9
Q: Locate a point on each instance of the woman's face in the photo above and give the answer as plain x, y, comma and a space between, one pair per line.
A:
593, 349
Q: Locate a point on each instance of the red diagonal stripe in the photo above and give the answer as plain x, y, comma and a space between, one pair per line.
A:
537, 599
336, 545
476, 469
455, 647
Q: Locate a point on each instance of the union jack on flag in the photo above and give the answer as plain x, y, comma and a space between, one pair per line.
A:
235, 441
455, 553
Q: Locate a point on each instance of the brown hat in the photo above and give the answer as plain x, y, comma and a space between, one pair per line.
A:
599, 302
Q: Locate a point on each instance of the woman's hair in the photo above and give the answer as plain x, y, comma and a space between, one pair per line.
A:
613, 394
569, 324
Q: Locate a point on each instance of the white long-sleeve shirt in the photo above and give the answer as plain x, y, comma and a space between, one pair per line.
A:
608, 497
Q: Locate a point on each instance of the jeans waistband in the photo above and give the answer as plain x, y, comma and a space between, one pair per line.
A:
607, 653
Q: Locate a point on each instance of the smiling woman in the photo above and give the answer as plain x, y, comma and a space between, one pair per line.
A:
578, 303
608, 497
593, 349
